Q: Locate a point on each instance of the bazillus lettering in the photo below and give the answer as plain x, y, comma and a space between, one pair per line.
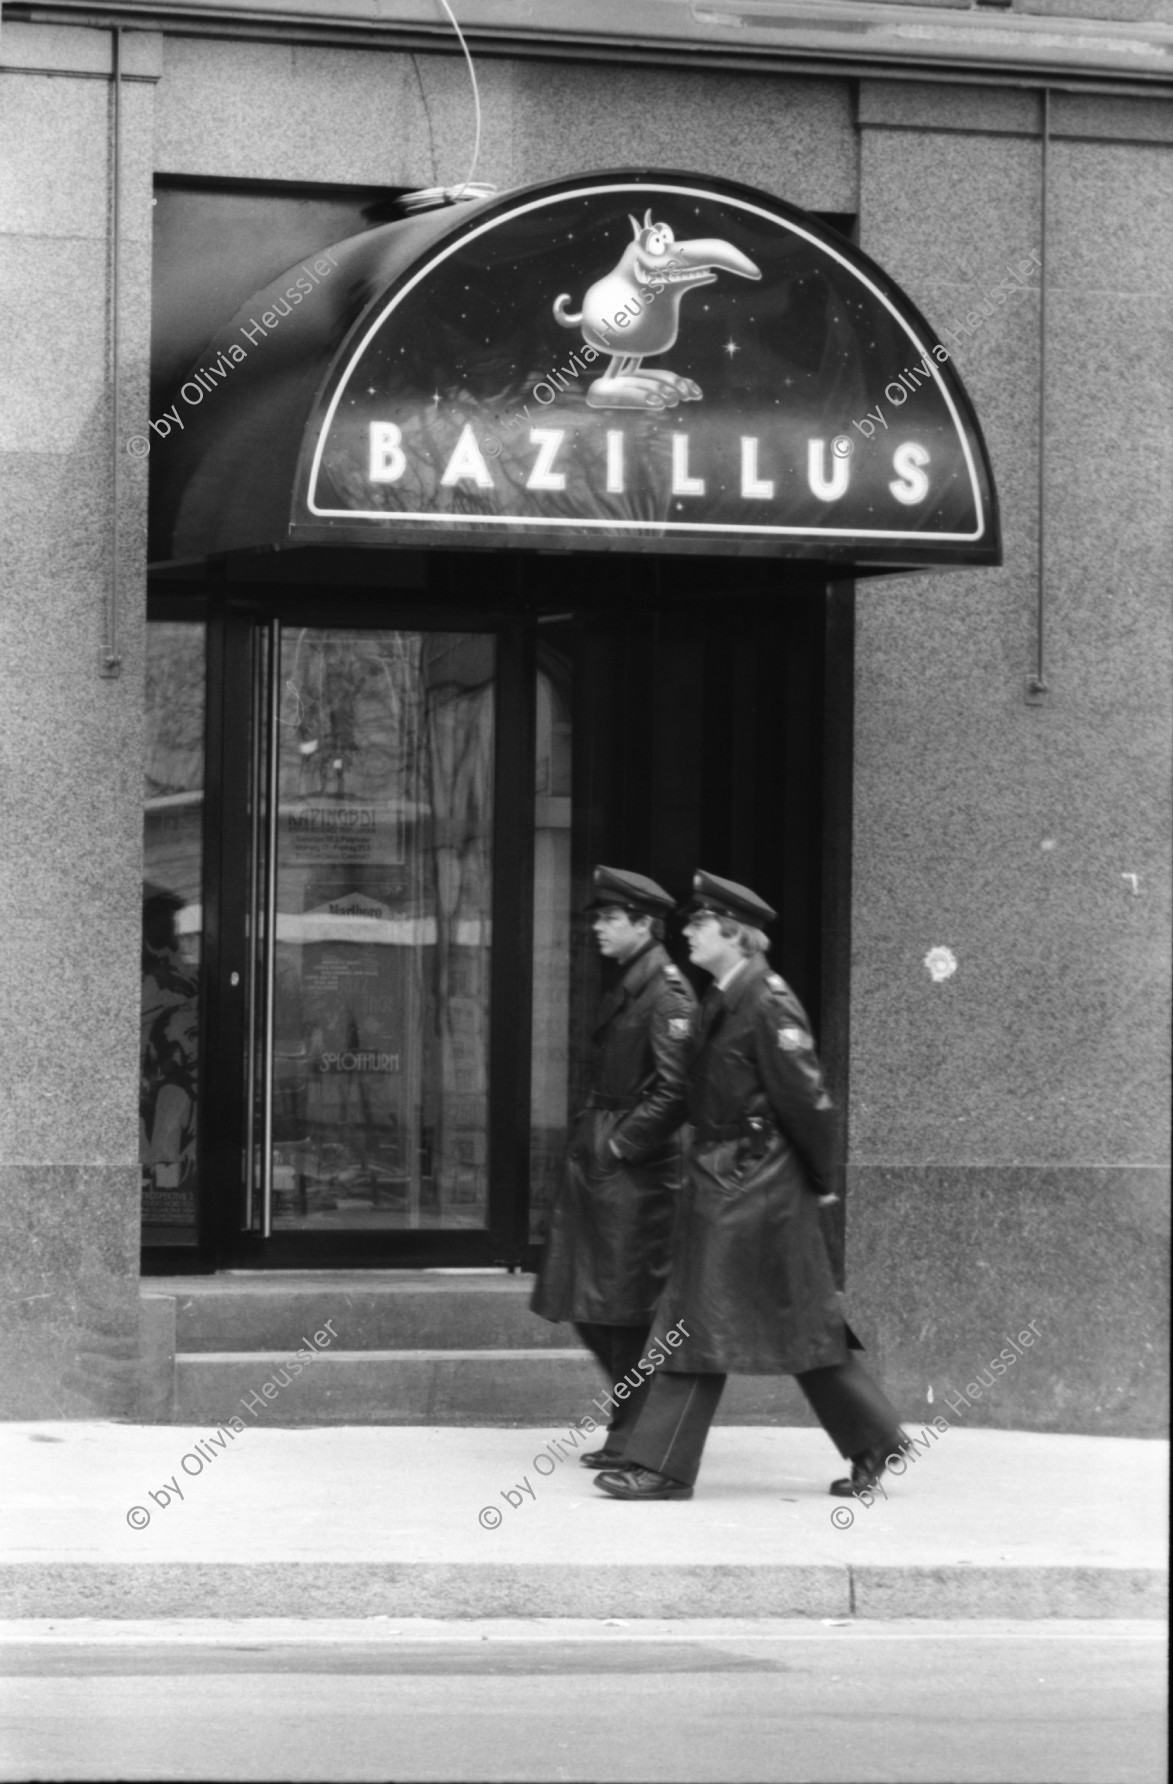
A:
753, 487
911, 485
466, 463
614, 462
682, 483
543, 476
828, 489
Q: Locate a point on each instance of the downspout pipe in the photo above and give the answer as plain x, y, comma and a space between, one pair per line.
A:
1037, 690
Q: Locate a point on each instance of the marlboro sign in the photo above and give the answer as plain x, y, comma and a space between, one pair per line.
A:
648, 360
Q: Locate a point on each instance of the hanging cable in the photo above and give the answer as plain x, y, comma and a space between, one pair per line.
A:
454, 194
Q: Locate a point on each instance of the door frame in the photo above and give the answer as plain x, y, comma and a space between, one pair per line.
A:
234, 622
433, 593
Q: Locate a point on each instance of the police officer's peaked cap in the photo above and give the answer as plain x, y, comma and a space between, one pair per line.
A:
725, 898
631, 891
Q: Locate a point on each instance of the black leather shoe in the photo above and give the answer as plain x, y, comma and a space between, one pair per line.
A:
867, 1467
601, 1458
641, 1483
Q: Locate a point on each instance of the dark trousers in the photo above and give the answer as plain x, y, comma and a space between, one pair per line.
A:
619, 1349
670, 1436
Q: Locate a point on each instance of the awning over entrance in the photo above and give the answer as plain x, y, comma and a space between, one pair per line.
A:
631, 361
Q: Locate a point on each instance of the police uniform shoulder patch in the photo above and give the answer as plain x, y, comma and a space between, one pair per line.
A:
672, 974
775, 983
792, 1040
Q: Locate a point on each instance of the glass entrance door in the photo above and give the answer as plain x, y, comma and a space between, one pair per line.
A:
372, 894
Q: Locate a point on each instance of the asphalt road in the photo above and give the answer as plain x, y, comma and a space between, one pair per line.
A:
943, 1703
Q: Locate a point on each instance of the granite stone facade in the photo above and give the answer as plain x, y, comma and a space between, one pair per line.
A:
70, 790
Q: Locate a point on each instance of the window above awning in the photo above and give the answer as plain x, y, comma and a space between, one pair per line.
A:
631, 361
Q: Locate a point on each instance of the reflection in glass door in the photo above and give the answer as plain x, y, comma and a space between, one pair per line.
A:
173, 817
372, 919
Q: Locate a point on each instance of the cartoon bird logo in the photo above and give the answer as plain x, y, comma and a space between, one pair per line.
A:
617, 316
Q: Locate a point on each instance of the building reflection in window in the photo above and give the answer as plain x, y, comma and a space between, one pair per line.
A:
172, 923
549, 1096
382, 929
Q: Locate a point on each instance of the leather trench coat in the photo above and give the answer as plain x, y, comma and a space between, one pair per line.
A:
750, 1276
607, 1249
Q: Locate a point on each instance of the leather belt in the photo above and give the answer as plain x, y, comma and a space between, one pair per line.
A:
749, 1128
613, 1102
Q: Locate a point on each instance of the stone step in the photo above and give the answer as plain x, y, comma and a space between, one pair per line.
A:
429, 1386
370, 1310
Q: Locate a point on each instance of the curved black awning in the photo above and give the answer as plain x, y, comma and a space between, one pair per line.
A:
630, 360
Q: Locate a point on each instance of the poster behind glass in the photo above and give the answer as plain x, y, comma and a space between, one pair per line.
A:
383, 889
550, 1072
172, 922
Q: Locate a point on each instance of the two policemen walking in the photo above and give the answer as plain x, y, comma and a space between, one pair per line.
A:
747, 1276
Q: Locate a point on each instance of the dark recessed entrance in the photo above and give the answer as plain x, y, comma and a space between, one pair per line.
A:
365, 894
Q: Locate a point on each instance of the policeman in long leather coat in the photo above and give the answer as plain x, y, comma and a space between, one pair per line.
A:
608, 1245
750, 1284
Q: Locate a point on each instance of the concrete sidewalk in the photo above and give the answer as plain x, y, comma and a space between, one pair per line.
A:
359, 1522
